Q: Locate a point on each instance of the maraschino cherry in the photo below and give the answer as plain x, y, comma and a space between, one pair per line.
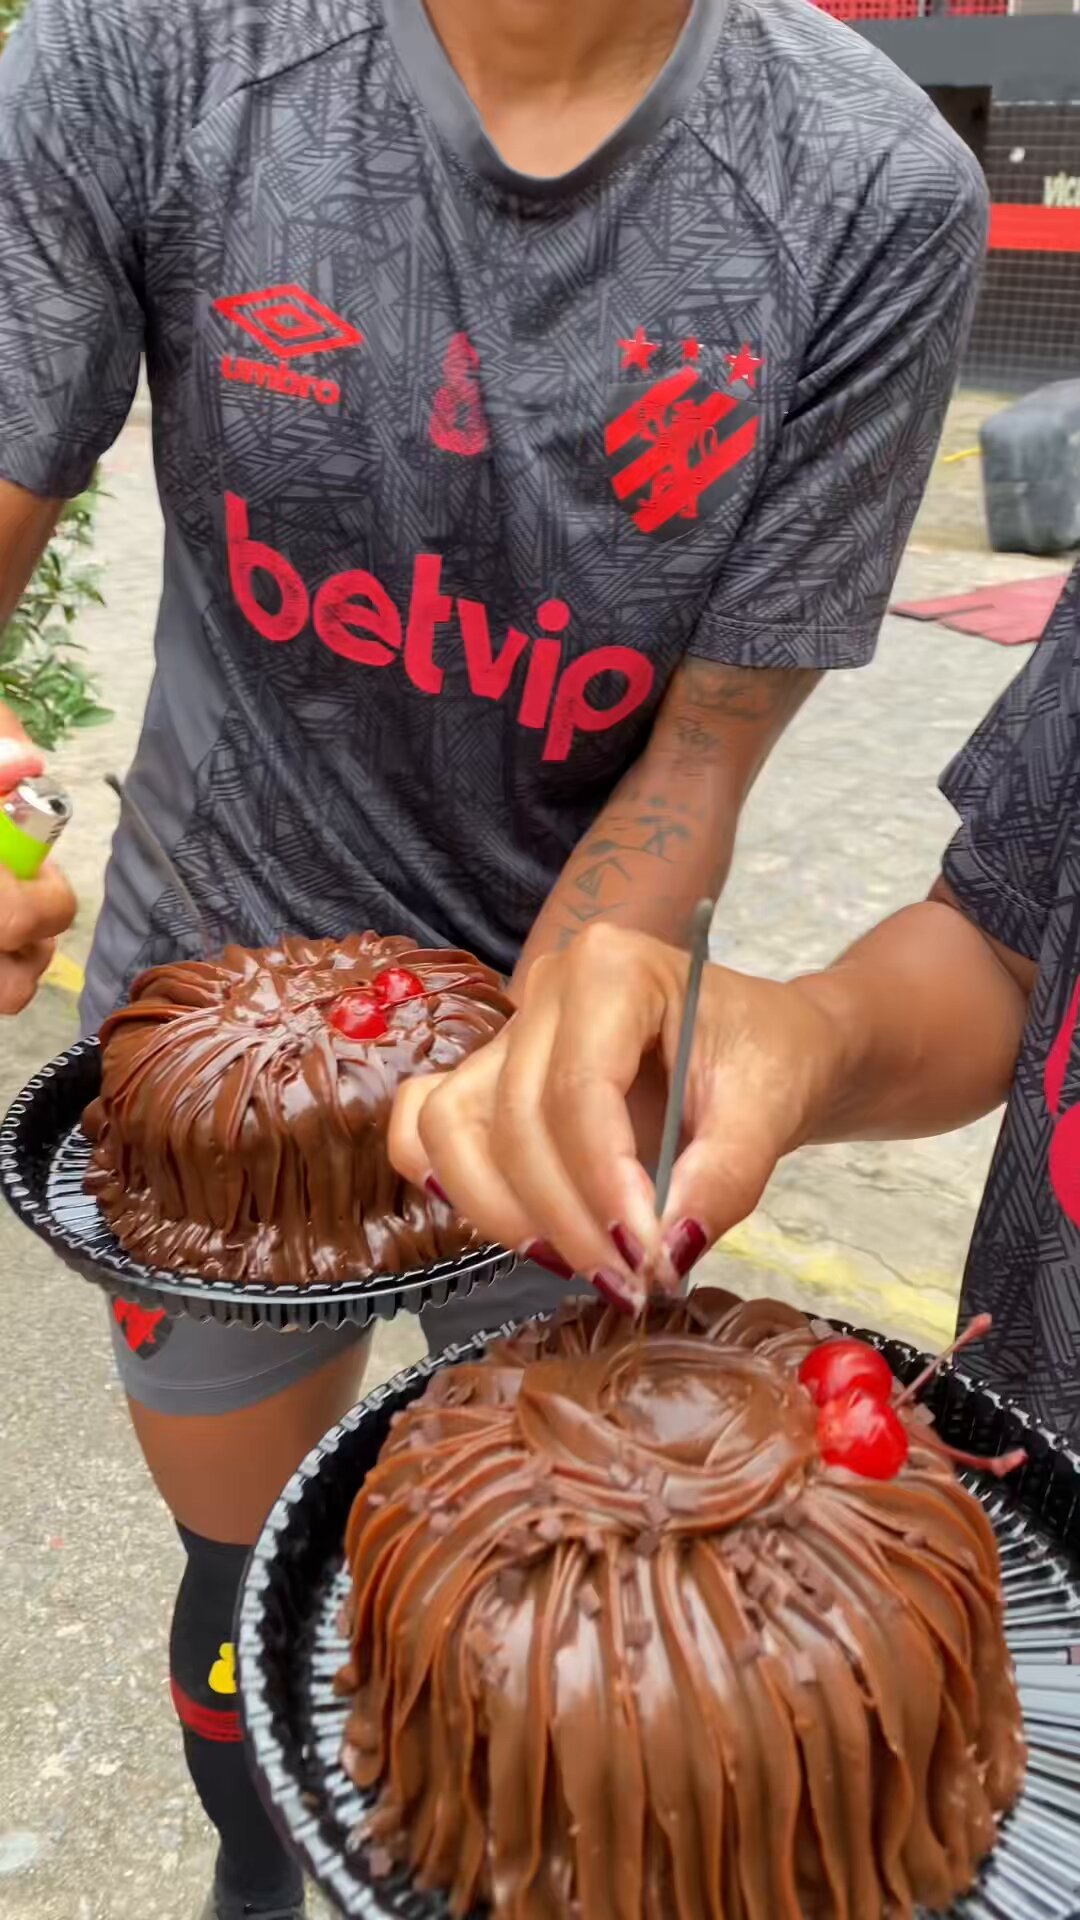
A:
860, 1431
838, 1366
395, 984
359, 1016
859, 1425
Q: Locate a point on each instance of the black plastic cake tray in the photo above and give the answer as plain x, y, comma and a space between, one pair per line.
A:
44, 1156
290, 1646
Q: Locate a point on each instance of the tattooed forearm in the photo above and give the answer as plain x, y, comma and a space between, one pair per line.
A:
660, 843
666, 835
648, 830
738, 711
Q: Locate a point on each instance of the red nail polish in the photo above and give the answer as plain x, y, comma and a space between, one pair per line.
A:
627, 1246
545, 1255
612, 1289
685, 1244
432, 1186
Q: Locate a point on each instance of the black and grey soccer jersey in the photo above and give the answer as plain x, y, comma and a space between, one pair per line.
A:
457, 465
1015, 867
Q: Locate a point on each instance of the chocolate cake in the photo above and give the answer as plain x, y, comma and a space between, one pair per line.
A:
626, 1646
240, 1132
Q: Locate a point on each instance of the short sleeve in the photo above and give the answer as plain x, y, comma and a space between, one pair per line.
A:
1016, 787
814, 562
72, 181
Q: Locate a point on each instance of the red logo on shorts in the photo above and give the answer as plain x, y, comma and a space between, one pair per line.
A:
145, 1329
287, 321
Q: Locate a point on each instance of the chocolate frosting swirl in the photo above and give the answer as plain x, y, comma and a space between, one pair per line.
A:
625, 1648
239, 1135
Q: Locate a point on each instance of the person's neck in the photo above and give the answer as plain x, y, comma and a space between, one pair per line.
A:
551, 79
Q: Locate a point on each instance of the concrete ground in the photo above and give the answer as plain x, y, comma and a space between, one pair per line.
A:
97, 1821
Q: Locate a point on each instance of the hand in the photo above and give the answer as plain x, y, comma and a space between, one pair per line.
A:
532, 1138
32, 912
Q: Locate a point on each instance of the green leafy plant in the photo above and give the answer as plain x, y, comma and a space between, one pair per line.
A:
42, 678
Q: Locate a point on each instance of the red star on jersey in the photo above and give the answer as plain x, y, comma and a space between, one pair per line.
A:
690, 349
744, 365
637, 351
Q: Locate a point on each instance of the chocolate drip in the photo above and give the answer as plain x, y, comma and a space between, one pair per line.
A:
239, 1135
728, 1683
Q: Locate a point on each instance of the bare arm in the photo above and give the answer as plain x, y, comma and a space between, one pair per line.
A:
32, 912
926, 1014
914, 1031
25, 525
667, 834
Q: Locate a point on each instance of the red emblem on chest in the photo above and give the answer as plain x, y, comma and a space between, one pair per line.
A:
673, 441
290, 324
288, 321
457, 422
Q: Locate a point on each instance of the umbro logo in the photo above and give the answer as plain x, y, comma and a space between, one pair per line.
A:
288, 323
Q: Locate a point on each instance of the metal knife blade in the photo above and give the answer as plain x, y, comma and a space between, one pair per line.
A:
673, 1113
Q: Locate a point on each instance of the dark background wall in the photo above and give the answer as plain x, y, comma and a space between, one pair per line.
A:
1027, 324
1010, 85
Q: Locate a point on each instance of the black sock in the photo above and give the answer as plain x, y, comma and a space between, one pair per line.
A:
253, 1864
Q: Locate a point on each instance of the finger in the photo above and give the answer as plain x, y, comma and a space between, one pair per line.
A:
598, 1053
19, 760
716, 1182
37, 909
404, 1145
455, 1126
20, 973
37, 955
529, 1158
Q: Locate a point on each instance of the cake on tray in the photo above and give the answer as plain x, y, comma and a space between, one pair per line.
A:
240, 1130
683, 1620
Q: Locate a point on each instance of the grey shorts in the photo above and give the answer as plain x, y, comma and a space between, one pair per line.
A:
193, 1367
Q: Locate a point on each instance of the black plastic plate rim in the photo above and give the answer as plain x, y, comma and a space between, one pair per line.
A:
280, 1608
40, 1125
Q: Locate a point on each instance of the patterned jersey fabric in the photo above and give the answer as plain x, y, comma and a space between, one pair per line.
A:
457, 465
1015, 866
